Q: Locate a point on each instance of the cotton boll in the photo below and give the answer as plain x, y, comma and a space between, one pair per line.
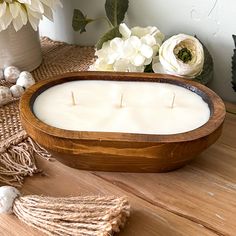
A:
11, 74
8, 195
5, 95
16, 90
25, 80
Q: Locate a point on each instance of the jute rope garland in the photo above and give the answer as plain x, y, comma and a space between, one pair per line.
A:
80, 216
17, 150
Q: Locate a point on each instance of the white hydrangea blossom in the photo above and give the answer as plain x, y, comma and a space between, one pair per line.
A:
19, 12
131, 53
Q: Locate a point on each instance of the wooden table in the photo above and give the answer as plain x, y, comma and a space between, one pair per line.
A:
199, 199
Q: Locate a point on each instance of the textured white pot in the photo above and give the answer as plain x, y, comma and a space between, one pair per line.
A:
21, 48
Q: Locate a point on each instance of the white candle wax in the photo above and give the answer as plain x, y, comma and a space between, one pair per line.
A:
128, 107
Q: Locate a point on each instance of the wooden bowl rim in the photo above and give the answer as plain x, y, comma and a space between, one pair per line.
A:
215, 103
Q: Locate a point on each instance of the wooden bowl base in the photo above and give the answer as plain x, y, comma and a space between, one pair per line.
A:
126, 152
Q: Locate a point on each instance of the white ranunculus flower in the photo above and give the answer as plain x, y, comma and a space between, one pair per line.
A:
156, 66
19, 12
132, 52
180, 55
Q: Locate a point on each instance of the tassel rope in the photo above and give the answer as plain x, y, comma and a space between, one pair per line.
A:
80, 216
17, 160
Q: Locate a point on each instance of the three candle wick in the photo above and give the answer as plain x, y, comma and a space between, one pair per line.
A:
121, 100
173, 101
73, 98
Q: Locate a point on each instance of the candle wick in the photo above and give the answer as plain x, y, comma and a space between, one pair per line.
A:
173, 101
121, 100
73, 98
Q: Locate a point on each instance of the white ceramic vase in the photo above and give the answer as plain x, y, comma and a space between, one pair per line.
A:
21, 48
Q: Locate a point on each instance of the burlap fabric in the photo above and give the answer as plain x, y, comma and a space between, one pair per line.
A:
17, 150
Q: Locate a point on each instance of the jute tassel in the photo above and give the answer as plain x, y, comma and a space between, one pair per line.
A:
17, 160
74, 216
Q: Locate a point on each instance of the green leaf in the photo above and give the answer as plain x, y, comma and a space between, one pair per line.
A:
208, 68
80, 21
148, 68
234, 66
114, 32
115, 10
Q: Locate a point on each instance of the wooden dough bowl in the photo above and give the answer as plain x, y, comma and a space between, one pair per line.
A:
126, 152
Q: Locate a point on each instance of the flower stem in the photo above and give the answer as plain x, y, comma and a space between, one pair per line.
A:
104, 18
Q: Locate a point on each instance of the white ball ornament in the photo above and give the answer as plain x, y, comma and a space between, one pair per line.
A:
8, 195
16, 91
25, 79
11, 74
5, 95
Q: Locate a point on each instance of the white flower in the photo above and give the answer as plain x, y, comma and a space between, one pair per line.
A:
19, 12
150, 30
124, 30
132, 52
101, 65
180, 55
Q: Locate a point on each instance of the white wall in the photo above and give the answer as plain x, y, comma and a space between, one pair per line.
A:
213, 21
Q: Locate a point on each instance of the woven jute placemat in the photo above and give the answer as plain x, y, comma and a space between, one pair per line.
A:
17, 150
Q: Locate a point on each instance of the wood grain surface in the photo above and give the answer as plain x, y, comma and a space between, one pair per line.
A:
197, 200
127, 152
